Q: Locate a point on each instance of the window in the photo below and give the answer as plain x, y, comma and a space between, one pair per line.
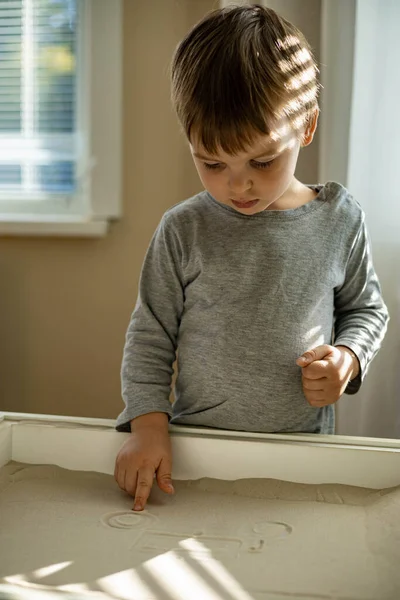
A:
56, 174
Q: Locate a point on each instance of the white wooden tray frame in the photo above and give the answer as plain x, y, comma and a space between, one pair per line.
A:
92, 445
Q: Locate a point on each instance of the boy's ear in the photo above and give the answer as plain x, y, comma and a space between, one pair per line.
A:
308, 135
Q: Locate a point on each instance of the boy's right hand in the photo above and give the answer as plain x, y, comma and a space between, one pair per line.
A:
145, 453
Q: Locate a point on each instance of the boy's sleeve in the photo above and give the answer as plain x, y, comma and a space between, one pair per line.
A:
361, 316
151, 339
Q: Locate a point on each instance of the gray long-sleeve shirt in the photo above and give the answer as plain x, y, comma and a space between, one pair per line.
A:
241, 298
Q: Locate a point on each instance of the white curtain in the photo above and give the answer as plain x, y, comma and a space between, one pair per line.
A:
373, 171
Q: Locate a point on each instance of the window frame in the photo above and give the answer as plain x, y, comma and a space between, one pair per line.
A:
99, 127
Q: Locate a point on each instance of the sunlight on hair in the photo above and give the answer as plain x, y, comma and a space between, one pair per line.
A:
272, 66
126, 585
290, 41
46, 571
300, 121
284, 135
299, 58
286, 66
280, 132
297, 104
298, 81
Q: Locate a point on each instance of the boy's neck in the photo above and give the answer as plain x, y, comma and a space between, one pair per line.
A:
297, 194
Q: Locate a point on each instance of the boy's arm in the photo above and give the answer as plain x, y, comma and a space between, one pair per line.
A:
151, 339
361, 316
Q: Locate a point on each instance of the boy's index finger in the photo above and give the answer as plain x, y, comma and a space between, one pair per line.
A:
145, 480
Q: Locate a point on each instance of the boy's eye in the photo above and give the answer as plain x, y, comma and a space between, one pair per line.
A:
262, 165
254, 163
212, 165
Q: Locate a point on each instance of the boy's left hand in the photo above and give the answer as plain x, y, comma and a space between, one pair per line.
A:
326, 372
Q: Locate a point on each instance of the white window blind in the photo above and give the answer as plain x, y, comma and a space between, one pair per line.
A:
41, 152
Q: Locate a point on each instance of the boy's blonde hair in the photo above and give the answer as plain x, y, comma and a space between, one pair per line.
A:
239, 71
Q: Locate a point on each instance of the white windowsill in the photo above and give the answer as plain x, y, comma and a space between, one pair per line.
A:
40, 225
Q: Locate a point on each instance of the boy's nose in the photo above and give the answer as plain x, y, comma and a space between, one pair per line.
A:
239, 185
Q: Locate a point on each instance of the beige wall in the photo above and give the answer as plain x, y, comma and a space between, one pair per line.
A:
65, 303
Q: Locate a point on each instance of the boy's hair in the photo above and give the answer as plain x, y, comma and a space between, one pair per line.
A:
238, 71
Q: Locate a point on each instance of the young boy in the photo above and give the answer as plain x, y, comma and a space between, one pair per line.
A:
264, 285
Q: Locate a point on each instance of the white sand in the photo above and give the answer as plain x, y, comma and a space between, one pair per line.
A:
244, 540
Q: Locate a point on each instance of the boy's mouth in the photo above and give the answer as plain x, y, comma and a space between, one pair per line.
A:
245, 203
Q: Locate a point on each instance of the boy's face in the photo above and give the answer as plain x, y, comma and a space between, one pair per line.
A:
256, 180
